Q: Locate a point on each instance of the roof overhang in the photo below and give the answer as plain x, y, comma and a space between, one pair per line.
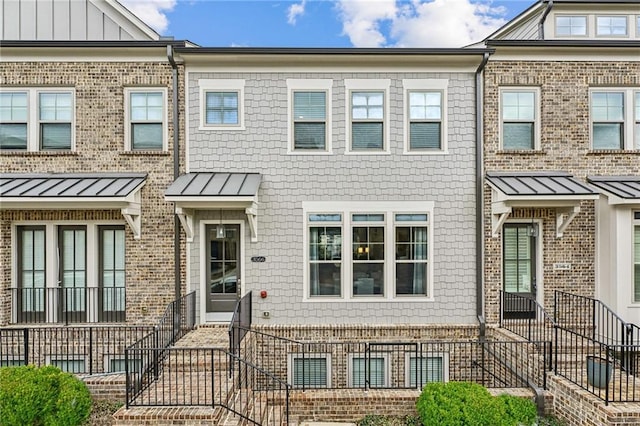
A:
84, 191
556, 190
215, 191
619, 190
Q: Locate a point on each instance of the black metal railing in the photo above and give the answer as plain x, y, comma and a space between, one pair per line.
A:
200, 377
397, 365
144, 357
77, 349
240, 322
538, 326
592, 346
68, 304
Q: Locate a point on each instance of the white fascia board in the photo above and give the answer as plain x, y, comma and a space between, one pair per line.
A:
554, 53
127, 17
81, 54
55, 203
614, 200
211, 203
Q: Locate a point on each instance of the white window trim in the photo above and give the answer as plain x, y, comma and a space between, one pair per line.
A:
537, 119
445, 365
108, 358
362, 355
221, 85
311, 85
570, 15
611, 15
309, 355
49, 359
628, 118
51, 267
374, 85
426, 85
127, 117
389, 208
33, 116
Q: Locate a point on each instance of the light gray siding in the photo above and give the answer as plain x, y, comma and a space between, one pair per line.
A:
526, 30
69, 20
289, 180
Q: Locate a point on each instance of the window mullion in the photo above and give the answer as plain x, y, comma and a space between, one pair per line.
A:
33, 122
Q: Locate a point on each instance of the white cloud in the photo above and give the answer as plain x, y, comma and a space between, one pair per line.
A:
419, 23
152, 12
295, 10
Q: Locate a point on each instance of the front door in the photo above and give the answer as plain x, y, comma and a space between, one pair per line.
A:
519, 269
223, 269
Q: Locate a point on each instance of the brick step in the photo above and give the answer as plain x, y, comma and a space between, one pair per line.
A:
165, 416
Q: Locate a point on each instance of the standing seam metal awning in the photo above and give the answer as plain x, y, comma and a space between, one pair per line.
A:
81, 191
211, 190
557, 190
618, 189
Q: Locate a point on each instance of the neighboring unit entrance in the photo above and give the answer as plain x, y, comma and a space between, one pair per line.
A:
519, 269
223, 269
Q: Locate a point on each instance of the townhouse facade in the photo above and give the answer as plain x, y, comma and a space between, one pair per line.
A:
562, 156
335, 184
87, 136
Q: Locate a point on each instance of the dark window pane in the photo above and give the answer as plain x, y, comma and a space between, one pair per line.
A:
366, 136
146, 136
55, 136
309, 136
13, 136
424, 136
607, 136
517, 136
324, 279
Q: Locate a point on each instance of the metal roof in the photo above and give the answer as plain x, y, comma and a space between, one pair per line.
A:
538, 184
212, 184
627, 187
64, 185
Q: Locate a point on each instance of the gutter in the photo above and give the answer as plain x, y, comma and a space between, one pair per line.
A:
176, 170
480, 199
544, 18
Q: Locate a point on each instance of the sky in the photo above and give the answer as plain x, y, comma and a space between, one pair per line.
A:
327, 23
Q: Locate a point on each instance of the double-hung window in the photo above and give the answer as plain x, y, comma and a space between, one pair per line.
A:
571, 26
519, 118
615, 119
425, 120
146, 119
379, 250
325, 254
611, 26
368, 115
309, 112
221, 104
411, 272
37, 119
636, 256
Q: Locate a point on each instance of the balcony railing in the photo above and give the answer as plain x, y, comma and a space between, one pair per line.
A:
68, 304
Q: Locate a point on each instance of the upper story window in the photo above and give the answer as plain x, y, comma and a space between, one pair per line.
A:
368, 250
37, 119
611, 26
310, 124
636, 256
519, 118
146, 119
221, 104
425, 122
221, 108
615, 119
568, 26
368, 115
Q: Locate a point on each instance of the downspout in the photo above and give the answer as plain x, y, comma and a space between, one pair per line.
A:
543, 19
176, 170
480, 200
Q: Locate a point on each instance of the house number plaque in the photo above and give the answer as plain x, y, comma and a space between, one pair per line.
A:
258, 259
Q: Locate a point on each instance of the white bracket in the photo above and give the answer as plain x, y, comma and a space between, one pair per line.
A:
131, 214
252, 217
562, 222
499, 214
186, 220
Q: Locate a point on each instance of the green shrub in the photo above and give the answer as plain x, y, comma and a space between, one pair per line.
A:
518, 411
42, 396
458, 403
